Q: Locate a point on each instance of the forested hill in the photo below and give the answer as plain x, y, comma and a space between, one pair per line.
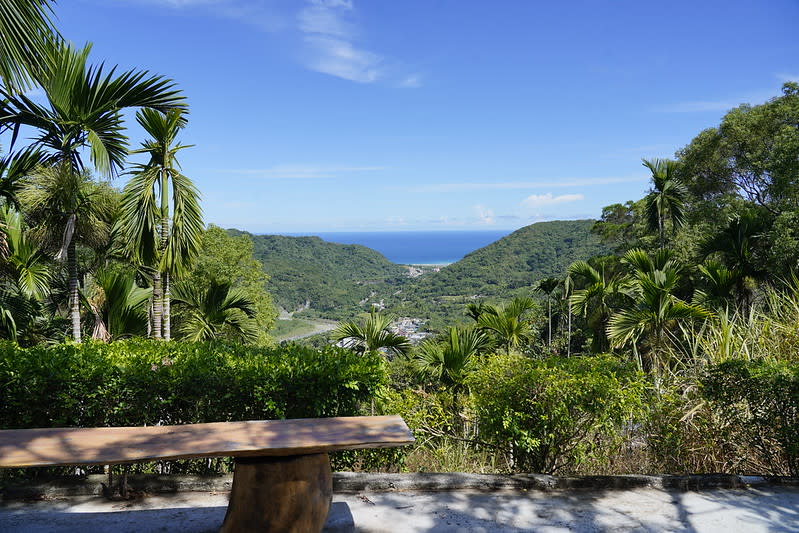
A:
517, 260
331, 278
505, 268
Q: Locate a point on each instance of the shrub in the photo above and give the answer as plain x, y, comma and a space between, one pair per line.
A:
551, 414
138, 382
759, 401
141, 382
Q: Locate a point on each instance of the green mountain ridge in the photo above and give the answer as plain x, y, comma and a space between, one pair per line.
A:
505, 268
338, 281
330, 278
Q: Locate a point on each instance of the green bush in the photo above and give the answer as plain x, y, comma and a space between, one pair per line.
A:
759, 401
552, 414
138, 382
141, 382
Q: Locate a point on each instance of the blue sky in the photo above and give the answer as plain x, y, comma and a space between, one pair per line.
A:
342, 115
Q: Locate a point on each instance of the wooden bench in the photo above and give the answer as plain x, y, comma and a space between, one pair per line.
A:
282, 479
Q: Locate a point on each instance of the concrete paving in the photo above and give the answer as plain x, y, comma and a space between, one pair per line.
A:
759, 509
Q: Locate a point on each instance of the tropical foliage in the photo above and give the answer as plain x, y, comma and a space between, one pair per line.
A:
163, 240
372, 335
661, 337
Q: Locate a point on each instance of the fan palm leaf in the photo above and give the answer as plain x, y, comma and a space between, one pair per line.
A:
452, 357
216, 312
372, 335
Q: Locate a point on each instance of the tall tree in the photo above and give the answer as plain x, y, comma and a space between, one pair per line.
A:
668, 197
600, 292
655, 310
163, 237
548, 286
740, 245
84, 110
65, 208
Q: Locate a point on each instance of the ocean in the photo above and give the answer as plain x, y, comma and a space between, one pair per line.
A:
418, 247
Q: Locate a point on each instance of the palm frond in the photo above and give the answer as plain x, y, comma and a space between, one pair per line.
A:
26, 29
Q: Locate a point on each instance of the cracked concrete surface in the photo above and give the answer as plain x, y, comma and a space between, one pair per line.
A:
760, 509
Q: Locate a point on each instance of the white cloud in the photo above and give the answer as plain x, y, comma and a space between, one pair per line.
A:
301, 171
540, 200
329, 33
484, 214
566, 182
321, 18
340, 58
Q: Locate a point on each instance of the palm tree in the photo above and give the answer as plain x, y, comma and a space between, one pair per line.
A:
372, 335
24, 277
119, 305
719, 285
568, 286
452, 357
597, 298
13, 168
668, 196
548, 287
216, 312
26, 31
510, 325
144, 223
22, 262
737, 243
656, 309
65, 208
474, 310
84, 110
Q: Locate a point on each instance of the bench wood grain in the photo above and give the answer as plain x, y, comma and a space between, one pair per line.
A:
115, 445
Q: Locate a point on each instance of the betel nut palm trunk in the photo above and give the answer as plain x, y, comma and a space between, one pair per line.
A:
164, 238
74, 297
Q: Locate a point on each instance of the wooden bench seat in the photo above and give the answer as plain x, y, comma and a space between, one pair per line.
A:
282, 479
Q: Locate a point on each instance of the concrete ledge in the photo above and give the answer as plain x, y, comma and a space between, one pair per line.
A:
351, 482
344, 482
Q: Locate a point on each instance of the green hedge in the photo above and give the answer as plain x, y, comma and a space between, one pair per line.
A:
554, 413
141, 382
138, 382
758, 402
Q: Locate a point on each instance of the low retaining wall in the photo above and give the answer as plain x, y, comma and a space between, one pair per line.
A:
351, 482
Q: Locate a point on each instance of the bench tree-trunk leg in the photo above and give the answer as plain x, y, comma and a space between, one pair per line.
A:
291, 494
